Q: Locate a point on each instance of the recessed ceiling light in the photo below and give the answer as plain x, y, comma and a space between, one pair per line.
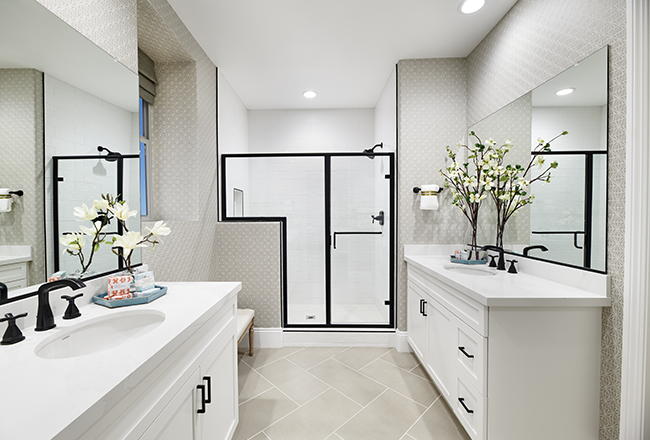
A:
309, 94
470, 6
565, 91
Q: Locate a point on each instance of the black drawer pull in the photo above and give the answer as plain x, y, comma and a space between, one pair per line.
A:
462, 402
202, 409
209, 380
421, 306
424, 308
462, 349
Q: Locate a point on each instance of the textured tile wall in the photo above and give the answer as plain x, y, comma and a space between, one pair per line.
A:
110, 24
535, 41
431, 115
21, 163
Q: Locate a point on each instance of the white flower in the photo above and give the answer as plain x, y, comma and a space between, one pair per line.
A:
92, 231
490, 142
121, 211
74, 241
131, 240
100, 205
85, 213
160, 228
458, 144
540, 140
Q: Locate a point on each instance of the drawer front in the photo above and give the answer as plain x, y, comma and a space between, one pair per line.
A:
471, 356
468, 310
470, 408
13, 272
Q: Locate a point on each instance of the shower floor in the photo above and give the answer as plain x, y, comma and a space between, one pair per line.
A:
344, 314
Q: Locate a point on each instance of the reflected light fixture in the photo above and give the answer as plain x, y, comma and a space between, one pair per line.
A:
470, 6
309, 94
564, 92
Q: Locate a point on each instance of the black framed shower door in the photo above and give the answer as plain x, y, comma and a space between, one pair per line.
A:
338, 223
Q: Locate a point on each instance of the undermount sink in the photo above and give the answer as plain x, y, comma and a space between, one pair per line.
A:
99, 334
469, 270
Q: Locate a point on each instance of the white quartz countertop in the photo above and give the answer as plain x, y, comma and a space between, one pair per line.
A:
41, 397
505, 289
15, 254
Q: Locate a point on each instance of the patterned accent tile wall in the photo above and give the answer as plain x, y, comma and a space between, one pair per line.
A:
21, 163
250, 253
431, 115
535, 41
110, 24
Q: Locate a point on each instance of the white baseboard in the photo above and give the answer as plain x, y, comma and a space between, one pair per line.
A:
276, 338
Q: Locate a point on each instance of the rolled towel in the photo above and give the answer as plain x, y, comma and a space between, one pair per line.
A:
429, 197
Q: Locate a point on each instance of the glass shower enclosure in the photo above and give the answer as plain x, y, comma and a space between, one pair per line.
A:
337, 210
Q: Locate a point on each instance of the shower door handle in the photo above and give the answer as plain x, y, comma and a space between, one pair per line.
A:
354, 233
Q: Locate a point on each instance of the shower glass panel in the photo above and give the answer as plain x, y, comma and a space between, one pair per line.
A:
292, 187
567, 214
360, 244
80, 180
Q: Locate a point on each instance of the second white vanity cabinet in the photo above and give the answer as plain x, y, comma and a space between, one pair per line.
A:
510, 368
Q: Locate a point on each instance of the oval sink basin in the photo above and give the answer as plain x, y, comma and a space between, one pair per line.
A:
99, 334
473, 271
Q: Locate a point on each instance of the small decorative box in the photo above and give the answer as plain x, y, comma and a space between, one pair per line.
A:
454, 260
100, 299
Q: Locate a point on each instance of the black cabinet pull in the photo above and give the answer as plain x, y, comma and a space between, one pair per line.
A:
202, 409
421, 306
208, 379
424, 308
462, 349
462, 402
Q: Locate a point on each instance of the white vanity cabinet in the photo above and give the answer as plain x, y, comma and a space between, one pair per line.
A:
511, 370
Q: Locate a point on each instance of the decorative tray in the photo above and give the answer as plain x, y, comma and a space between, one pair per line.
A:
454, 260
99, 299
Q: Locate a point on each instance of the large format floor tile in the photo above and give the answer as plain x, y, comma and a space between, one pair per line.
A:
386, 418
338, 393
316, 419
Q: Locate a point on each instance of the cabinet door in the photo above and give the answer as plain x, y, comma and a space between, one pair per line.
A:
178, 418
442, 356
416, 321
219, 375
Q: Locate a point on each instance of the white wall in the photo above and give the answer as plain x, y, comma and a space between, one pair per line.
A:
310, 130
233, 138
75, 124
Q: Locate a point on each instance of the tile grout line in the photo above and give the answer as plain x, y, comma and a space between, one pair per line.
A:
404, 369
418, 419
311, 374
274, 361
358, 412
379, 383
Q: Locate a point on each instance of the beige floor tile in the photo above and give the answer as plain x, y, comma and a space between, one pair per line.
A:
311, 356
251, 383
359, 357
293, 380
410, 385
315, 420
265, 356
402, 360
260, 436
333, 437
408, 437
420, 371
438, 423
259, 413
349, 382
387, 418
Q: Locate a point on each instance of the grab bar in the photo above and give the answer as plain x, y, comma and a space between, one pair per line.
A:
354, 233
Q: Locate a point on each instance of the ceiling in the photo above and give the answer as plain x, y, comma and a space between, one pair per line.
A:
270, 51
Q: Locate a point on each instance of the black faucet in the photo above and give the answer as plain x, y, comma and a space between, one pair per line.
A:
537, 246
4, 292
501, 265
44, 316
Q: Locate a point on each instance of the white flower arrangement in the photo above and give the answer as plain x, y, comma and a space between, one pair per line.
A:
100, 215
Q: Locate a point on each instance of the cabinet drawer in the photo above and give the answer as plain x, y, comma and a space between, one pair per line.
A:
13, 272
470, 408
471, 356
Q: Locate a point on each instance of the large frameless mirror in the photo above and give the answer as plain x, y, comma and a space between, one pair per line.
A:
566, 223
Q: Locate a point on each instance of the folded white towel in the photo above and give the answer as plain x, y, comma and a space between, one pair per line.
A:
429, 197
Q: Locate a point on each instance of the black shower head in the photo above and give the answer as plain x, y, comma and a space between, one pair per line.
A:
112, 156
370, 152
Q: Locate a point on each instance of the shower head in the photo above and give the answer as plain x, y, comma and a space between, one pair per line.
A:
112, 156
370, 152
